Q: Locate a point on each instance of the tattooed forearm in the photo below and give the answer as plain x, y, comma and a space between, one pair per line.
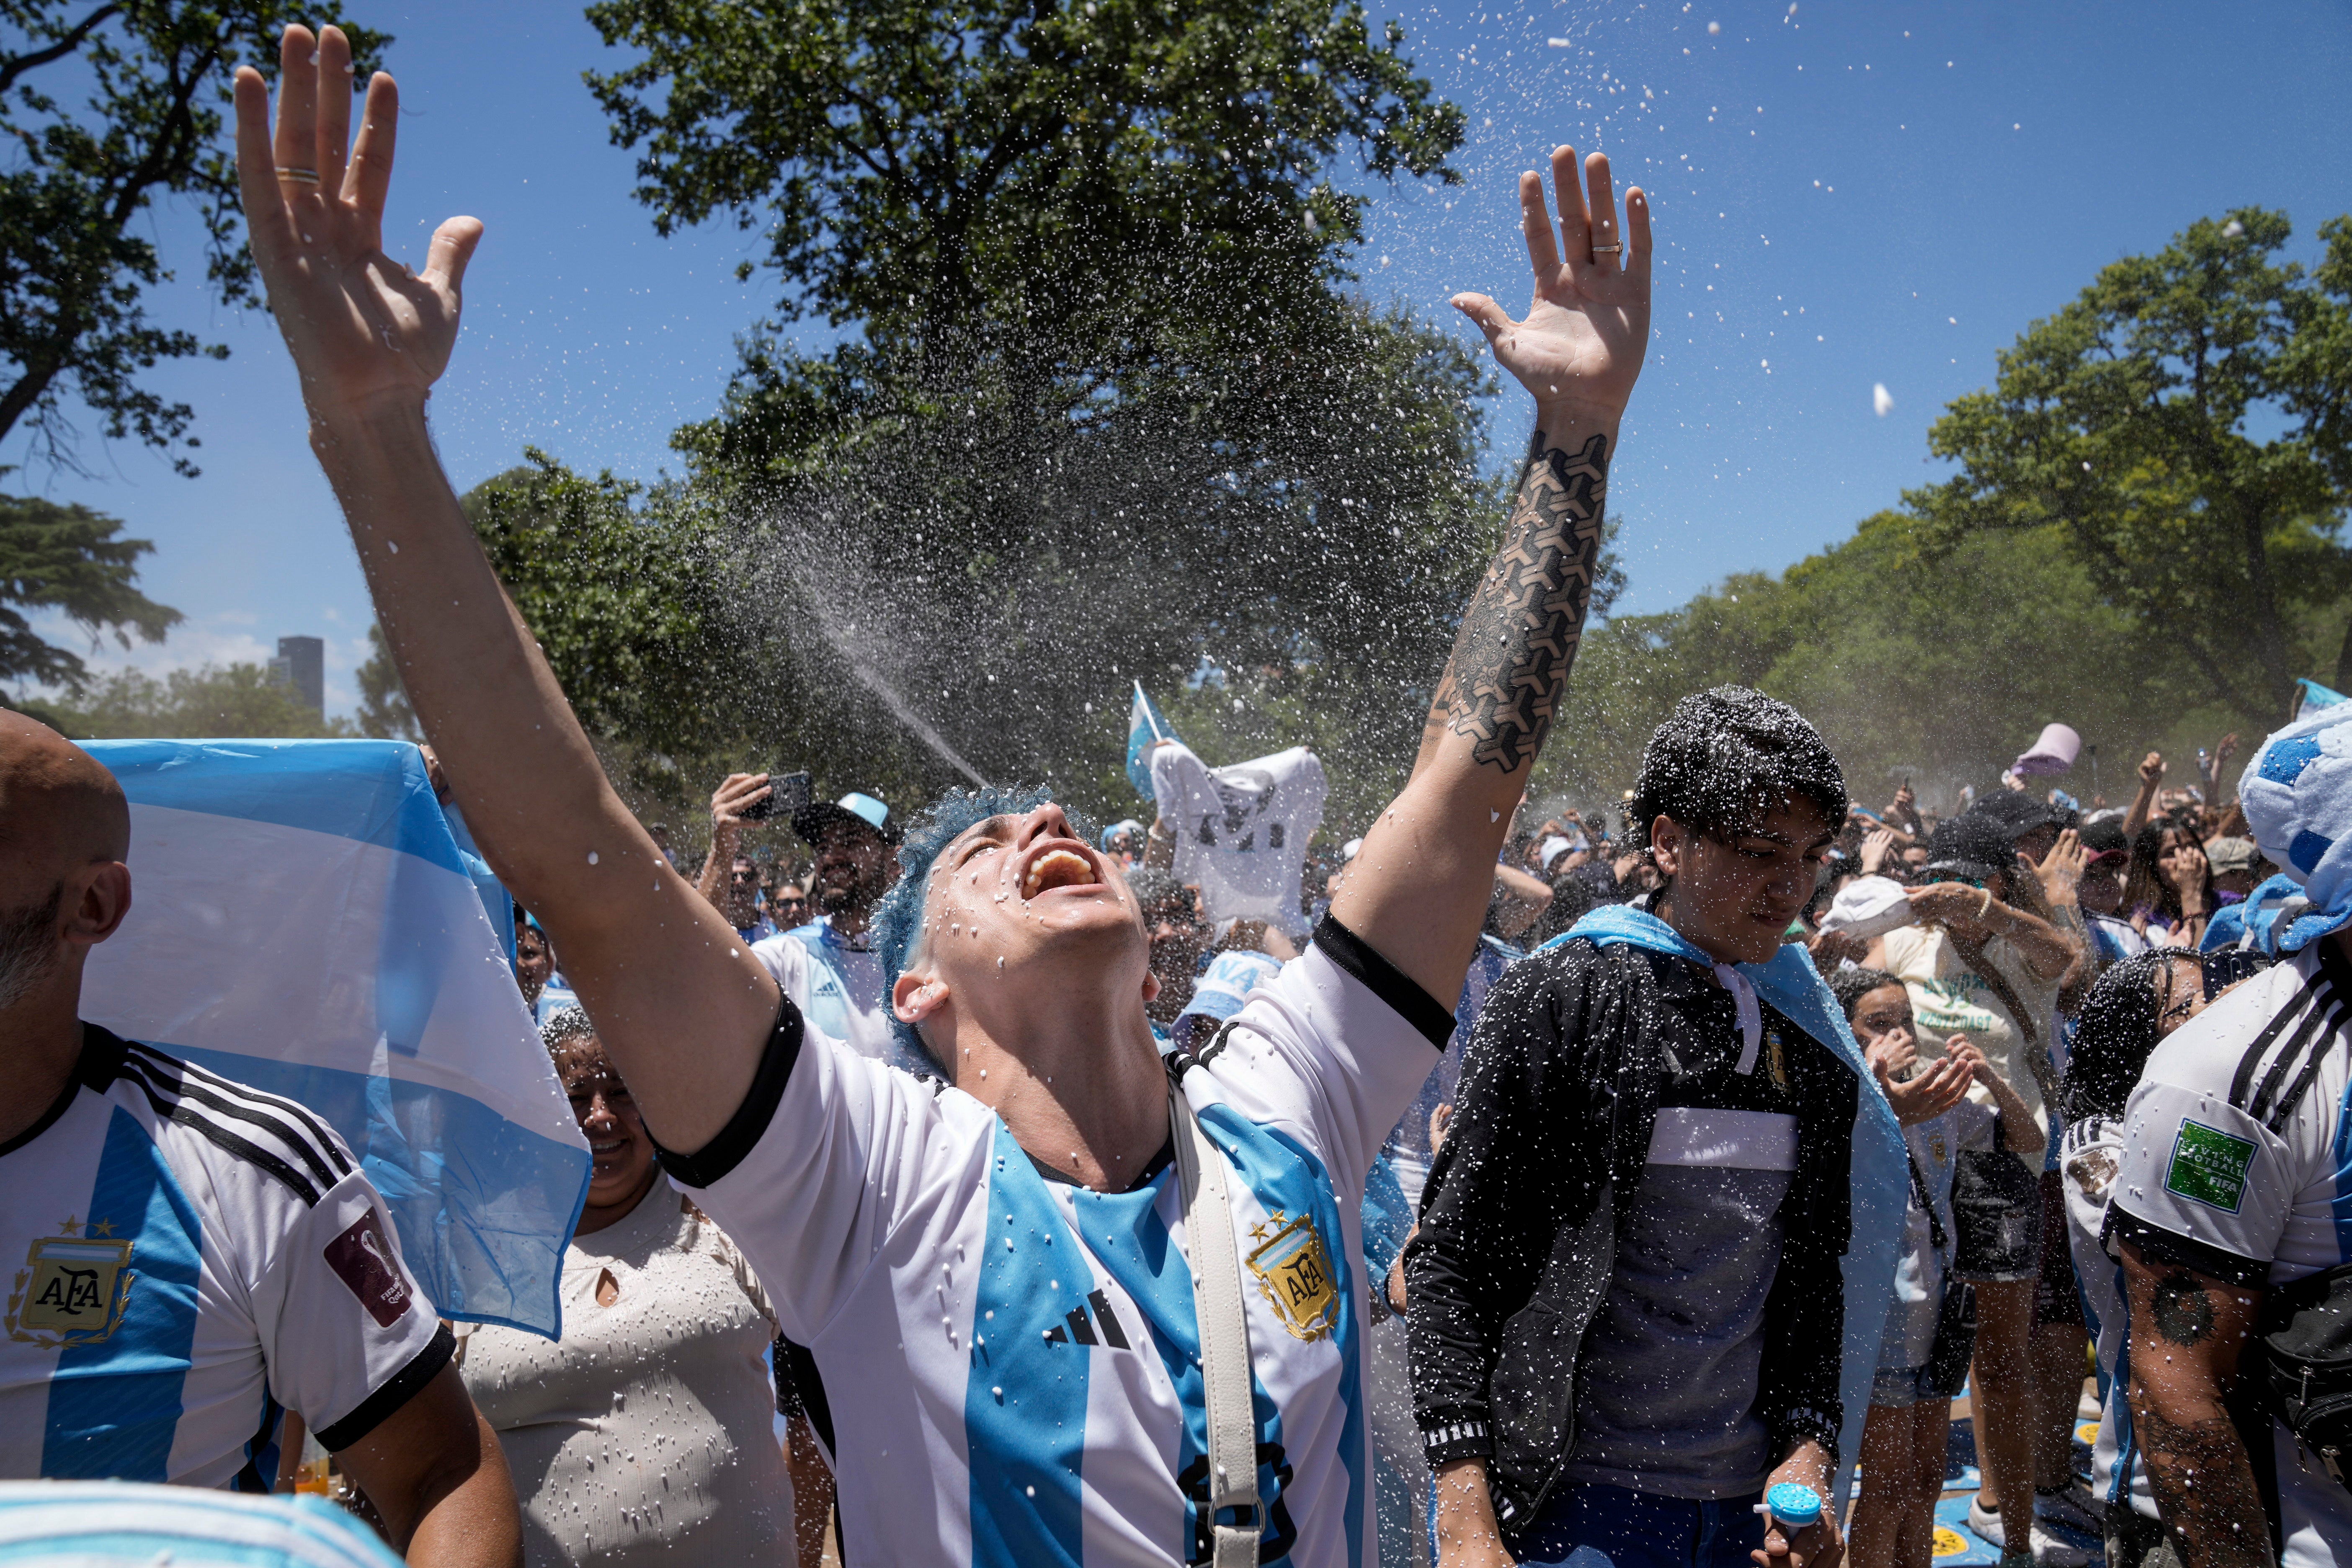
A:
1519, 635
2204, 1489
2183, 1312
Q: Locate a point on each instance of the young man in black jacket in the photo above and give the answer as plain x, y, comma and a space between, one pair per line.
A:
1667, 1175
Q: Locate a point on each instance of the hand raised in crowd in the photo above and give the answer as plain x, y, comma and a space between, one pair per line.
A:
366, 333
2151, 770
1580, 347
1930, 1093
735, 797
2061, 871
2184, 866
1832, 948
1955, 906
1878, 848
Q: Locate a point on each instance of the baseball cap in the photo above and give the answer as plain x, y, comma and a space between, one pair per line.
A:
813, 821
2232, 854
1973, 845
2104, 839
1868, 907
2017, 812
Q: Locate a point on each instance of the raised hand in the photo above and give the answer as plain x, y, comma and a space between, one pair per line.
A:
363, 328
1580, 349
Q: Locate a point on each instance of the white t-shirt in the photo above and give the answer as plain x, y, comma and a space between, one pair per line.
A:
196, 1257
2089, 1155
1242, 831
2246, 1191
1948, 997
1011, 1359
645, 1433
1935, 1144
836, 984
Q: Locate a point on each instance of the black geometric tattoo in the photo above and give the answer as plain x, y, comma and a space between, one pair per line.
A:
1520, 633
2183, 1314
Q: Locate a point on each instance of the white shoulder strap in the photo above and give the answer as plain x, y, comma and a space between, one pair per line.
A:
1224, 1339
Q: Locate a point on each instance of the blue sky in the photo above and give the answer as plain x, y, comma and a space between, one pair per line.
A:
1847, 195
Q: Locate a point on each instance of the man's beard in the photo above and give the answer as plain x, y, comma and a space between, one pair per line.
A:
853, 897
28, 947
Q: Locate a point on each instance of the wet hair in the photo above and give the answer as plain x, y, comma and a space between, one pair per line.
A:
564, 1026
2144, 883
1724, 758
1851, 984
898, 920
2116, 1030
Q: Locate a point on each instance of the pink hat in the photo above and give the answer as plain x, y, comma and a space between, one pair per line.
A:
2054, 753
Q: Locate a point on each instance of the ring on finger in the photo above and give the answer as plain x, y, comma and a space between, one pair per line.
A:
1607, 249
299, 176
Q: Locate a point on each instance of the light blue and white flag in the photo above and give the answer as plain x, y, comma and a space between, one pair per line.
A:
303, 921
1145, 725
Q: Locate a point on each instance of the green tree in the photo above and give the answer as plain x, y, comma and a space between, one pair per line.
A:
218, 700
76, 256
1090, 164
383, 712
2134, 421
68, 558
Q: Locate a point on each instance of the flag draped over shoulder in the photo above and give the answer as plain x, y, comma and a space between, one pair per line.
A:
303, 921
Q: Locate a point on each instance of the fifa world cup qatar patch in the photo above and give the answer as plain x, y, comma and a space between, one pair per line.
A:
2209, 1166
361, 1257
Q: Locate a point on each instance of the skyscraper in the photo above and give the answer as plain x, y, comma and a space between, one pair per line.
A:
301, 666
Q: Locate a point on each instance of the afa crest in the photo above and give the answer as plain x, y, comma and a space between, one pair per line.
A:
73, 1290
1293, 1273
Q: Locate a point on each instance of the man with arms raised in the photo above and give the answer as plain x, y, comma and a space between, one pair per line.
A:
994, 1279
195, 1258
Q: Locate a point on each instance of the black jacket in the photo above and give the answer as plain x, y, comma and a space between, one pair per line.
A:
1561, 1086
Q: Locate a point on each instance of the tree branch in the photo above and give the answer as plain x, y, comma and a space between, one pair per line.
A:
18, 64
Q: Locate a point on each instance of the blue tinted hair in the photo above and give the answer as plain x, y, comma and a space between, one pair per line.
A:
899, 918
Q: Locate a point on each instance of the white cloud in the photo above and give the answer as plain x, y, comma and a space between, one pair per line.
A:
1881, 399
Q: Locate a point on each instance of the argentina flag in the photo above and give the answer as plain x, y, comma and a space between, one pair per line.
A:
303, 920
1145, 725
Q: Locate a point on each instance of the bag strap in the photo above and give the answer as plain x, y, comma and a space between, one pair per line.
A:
1919, 1190
1224, 1340
2037, 1058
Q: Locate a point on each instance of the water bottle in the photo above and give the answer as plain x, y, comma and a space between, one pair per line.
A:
1792, 1504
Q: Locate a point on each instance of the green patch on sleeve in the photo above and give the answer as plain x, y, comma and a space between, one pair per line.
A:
2209, 1166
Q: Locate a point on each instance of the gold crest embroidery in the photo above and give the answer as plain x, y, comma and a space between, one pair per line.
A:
72, 1291
1293, 1272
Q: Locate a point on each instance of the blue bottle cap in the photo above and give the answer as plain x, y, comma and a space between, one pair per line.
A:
1793, 1502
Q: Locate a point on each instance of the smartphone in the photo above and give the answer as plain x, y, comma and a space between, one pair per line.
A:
787, 792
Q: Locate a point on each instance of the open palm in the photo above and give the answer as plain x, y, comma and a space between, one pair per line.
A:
363, 328
1580, 347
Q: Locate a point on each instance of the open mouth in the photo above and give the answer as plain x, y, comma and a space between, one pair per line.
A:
1057, 869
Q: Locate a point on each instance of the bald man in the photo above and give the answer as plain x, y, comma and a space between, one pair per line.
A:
199, 1257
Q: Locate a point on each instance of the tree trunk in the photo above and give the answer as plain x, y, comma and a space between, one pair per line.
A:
2344, 663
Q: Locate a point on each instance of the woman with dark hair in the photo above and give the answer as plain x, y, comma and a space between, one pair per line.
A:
2170, 887
2132, 1006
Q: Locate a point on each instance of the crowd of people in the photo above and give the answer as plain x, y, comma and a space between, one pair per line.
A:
1571, 1187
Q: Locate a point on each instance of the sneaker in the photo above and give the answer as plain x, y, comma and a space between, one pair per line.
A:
1985, 1526
2071, 1507
2088, 1407
2053, 1551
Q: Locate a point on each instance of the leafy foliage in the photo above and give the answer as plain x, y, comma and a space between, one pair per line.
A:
383, 713
76, 260
67, 558
1098, 164
236, 700
2130, 421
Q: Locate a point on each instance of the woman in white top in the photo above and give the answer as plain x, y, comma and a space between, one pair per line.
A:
647, 1432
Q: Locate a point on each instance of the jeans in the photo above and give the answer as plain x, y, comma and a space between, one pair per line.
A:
1610, 1527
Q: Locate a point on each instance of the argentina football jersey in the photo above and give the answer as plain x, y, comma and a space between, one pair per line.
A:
190, 1259
1010, 1363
